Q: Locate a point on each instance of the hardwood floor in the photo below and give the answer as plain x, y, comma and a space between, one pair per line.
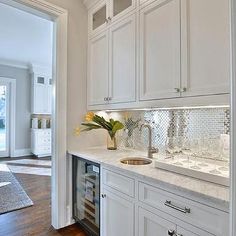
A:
35, 220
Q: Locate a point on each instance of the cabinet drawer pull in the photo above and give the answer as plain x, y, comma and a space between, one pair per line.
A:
183, 210
171, 232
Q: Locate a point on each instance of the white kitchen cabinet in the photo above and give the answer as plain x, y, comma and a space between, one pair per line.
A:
160, 50
112, 64
98, 17
122, 195
105, 12
117, 215
98, 70
41, 90
41, 142
205, 47
154, 224
150, 224
122, 58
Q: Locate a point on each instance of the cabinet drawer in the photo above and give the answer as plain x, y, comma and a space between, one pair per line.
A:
118, 182
199, 215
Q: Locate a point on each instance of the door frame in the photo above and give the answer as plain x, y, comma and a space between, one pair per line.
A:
12, 113
59, 16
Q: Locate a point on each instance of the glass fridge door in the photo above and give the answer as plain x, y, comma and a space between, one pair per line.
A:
86, 194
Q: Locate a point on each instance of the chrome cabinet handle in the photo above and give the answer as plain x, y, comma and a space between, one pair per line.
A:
105, 99
183, 210
171, 232
104, 195
184, 90
177, 90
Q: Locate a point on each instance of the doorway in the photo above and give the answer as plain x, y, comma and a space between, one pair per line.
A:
59, 17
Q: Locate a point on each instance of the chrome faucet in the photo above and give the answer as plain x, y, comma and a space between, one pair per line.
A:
151, 149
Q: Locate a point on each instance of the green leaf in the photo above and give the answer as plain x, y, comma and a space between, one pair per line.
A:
117, 126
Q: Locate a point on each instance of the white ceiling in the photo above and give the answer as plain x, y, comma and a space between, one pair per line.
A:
24, 38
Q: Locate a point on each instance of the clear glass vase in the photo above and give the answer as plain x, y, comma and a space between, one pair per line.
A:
111, 143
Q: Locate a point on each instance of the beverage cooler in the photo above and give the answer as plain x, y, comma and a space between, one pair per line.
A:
86, 195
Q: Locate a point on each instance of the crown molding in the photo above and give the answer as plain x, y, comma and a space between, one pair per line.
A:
90, 3
12, 63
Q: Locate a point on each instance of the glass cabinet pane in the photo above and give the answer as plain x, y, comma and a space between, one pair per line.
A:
40, 80
99, 17
120, 5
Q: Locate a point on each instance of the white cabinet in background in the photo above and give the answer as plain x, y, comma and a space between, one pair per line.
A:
205, 47
41, 142
112, 64
160, 50
117, 215
41, 90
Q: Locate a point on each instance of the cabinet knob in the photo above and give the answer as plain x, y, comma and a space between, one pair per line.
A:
105, 99
171, 232
109, 18
177, 90
110, 98
104, 195
184, 90
106, 20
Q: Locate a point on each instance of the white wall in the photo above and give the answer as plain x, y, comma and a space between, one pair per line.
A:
77, 72
23, 94
25, 38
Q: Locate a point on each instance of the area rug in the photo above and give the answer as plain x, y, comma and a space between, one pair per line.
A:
12, 195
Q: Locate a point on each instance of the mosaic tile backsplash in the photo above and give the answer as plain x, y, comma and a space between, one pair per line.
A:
176, 127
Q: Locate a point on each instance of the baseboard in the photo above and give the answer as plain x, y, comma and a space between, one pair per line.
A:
22, 152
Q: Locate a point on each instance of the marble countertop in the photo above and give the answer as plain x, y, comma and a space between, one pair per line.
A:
208, 193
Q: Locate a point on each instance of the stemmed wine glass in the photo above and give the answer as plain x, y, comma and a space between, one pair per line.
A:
214, 145
195, 152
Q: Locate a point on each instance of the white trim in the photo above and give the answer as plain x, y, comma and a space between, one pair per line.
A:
22, 152
12, 111
59, 173
233, 123
16, 64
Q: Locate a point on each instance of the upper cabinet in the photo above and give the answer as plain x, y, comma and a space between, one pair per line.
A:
205, 47
112, 64
160, 50
106, 12
41, 90
142, 53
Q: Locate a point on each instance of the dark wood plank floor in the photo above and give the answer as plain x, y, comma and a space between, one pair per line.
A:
35, 220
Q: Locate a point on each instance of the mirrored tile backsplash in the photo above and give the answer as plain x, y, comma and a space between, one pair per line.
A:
206, 130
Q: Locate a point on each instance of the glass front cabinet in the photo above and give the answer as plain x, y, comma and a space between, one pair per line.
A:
106, 12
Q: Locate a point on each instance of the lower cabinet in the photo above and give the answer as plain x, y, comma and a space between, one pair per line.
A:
144, 211
151, 224
117, 215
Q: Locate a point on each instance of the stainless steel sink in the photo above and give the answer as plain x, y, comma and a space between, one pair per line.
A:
136, 161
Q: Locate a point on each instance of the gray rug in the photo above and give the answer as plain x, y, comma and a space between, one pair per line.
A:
12, 195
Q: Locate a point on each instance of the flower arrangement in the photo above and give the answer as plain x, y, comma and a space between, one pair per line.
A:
93, 121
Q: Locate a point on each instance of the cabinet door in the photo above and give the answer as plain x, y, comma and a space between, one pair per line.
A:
122, 61
117, 215
40, 95
98, 17
153, 225
184, 232
121, 7
160, 50
98, 70
205, 47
